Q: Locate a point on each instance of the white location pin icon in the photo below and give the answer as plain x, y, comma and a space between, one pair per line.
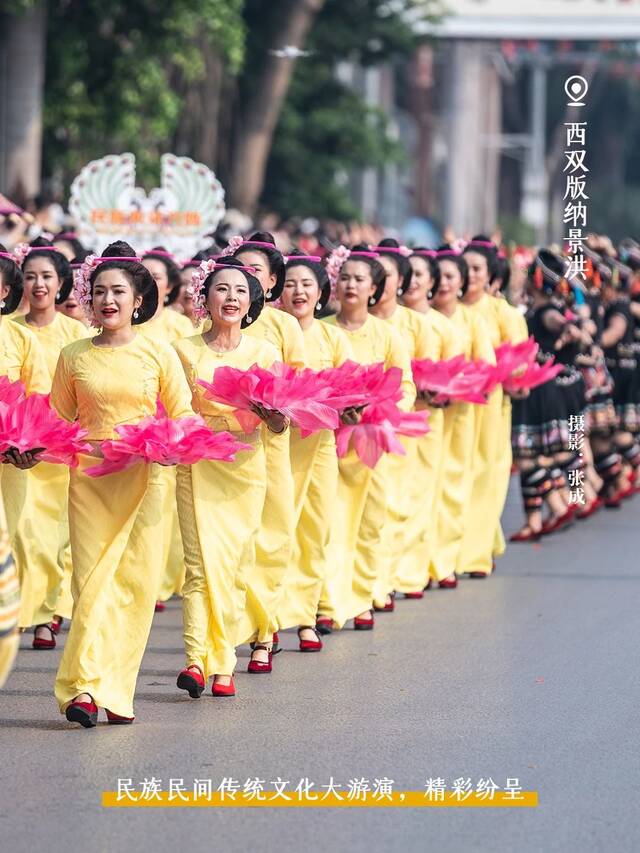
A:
576, 88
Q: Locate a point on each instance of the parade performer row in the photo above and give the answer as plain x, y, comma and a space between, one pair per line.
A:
291, 532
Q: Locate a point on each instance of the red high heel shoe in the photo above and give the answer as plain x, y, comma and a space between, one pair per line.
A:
85, 713
117, 720
522, 536
257, 667
363, 624
324, 625
414, 595
221, 690
389, 606
160, 607
309, 645
479, 575
594, 506
44, 642
448, 583
56, 625
191, 680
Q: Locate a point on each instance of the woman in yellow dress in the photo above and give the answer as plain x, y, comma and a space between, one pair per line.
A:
220, 503
166, 327
275, 537
356, 552
313, 459
442, 343
37, 499
459, 437
506, 325
112, 379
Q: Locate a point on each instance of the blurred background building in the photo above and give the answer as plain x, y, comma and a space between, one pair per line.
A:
415, 114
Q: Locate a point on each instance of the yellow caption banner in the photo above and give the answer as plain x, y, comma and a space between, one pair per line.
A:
398, 799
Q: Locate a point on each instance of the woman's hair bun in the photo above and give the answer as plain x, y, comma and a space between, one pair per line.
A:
262, 237
119, 249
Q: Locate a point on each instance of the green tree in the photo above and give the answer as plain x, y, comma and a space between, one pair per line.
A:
326, 128
117, 73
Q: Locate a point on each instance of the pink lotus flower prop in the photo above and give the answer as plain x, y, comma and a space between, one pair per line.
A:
535, 374
30, 423
183, 441
296, 394
352, 384
11, 392
378, 431
453, 379
511, 358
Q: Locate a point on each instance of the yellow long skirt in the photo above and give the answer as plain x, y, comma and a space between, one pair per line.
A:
373, 553
35, 503
421, 484
172, 554
397, 471
219, 506
114, 523
354, 482
453, 489
503, 473
483, 514
314, 466
273, 544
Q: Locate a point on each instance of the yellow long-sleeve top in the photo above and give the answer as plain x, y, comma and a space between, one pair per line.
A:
22, 359
475, 336
513, 326
377, 341
326, 346
199, 361
52, 338
412, 329
105, 387
167, 327
284, 332
443, 341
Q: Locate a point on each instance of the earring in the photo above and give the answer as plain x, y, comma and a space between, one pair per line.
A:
372, 300
268, 294
166, 300
318, 306
136, 314
249, 320
460, 293
58, 296
430, 294
399, 291
2, 303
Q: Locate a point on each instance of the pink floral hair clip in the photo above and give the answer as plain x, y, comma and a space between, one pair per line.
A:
335, 262
232, 246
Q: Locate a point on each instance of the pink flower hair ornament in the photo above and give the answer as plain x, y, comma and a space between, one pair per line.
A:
20, 252
232, 246
334, 264
198, 278
82, 283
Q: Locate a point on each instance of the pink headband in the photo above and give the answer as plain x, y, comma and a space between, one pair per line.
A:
190, 263
485, 244
447, 253
7, 255
316, 259
363, 254
258, 243
66, 235
425, 253
395, 250
160, 253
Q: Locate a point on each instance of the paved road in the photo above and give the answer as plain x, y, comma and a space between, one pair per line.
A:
532, 674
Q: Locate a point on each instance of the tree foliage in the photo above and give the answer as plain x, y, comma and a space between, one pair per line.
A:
111, 72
